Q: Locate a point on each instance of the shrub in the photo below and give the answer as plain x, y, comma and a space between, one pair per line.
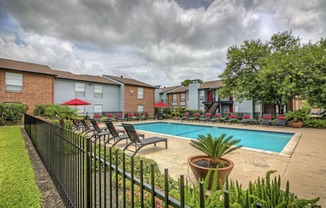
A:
316, 123
40, 109
11, 111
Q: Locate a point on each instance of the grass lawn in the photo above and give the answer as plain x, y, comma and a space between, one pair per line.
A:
17, 183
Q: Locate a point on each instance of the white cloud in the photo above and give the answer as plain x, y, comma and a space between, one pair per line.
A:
157, 41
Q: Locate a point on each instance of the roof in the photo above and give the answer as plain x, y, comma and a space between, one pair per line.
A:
178, 90
129, 81
211, 84
25, 67
166, 89
83, 77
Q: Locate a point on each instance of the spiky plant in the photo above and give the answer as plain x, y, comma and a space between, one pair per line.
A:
216, 147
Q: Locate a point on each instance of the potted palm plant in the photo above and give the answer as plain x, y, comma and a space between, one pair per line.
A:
214, 149
296, 118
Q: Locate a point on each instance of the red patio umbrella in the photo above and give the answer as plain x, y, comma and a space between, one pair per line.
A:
76, 102
161, 105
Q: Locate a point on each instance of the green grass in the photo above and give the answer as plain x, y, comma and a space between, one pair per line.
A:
17, 178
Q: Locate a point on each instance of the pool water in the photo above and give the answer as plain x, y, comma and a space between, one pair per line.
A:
263, 140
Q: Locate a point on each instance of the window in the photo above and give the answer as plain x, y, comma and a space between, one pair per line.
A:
258, 107
98, 91
140, 93
183, 97
80, 89
14, 82
174, 97
201, 95
98, 108
80, 110
140, 109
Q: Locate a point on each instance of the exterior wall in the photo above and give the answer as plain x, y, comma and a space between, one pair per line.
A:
245, 106
131, 101
37, 89
193, 96
65, 90
158, 95
202, 99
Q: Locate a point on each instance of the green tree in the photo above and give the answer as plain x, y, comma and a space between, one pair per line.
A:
186, 82
314, 65
273, 72
60, 112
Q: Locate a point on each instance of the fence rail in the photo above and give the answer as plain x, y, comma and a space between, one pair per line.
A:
88, 174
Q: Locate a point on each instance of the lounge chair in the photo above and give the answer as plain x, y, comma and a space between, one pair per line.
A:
185, 116
217, 117
110, 117
267, 119
232, 118
245, 119
97, 116
116, 136
140, 143
99, 132
119, 117
76, 126
137, 117
195, 117
207, 117
280, 120
130, 117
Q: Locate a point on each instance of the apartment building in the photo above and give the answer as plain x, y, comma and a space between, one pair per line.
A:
102, 94
27, 83
135, 96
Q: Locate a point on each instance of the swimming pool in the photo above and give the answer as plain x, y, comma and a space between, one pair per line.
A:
262, 140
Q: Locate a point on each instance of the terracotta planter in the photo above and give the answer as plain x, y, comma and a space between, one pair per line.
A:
296, 124
201, 172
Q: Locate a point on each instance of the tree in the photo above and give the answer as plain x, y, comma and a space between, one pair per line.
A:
186, 82
60, 112
240, 75
314, 61
272, 72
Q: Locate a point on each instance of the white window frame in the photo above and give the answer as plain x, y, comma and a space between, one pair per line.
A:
98, 108
183, 97
80, 89
140, 108
140, 93
98, 91
14, 82
174, 97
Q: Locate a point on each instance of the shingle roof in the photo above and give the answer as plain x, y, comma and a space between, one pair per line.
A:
129, 81
26, 67
166, 89
178, 90
83, 77
211, 84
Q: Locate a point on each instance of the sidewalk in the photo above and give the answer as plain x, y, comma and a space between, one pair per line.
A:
305, 169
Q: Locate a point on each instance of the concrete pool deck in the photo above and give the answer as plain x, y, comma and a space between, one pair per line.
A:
305, 168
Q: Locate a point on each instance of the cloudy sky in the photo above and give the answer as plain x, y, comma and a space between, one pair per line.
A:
161, 42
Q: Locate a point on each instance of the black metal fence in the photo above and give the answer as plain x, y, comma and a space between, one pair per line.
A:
89, 174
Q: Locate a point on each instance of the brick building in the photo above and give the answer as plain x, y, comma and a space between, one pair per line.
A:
136, 96
26, 83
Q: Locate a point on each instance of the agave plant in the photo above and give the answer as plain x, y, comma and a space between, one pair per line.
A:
216, 147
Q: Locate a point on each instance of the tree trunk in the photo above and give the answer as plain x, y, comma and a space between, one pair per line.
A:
62, 123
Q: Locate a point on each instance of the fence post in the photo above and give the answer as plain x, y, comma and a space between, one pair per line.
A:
226, 199
88, 172
201, 195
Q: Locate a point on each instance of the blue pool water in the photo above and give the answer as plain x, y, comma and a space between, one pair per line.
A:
263, 140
